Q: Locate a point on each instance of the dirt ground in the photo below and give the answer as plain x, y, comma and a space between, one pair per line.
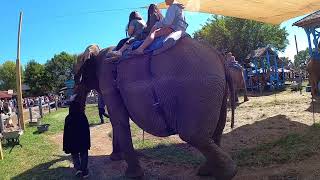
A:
263, 119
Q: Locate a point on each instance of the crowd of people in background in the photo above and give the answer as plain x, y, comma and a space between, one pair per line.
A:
35, 101
7, 108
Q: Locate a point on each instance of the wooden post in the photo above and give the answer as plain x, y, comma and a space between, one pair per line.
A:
18, 77
49, 107
1, 153
30, 113
1, 124
1, 130
40, 108
56, 104
295, 39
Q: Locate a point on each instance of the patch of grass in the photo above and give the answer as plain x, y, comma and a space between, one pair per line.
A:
168, 152
291, 148
36, 150
39, 157
164, 149
56, 119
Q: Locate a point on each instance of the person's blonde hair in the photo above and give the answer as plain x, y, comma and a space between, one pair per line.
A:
92, 49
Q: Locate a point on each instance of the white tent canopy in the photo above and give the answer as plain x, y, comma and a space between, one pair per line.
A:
268, 11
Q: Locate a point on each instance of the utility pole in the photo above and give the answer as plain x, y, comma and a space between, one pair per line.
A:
18, 77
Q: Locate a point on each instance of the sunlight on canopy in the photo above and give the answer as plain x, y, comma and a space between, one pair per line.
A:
268, 11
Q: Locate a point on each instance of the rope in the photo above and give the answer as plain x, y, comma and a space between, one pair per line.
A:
97, 11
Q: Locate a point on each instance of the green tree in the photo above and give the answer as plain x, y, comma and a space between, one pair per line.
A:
58, 70
35, 77
8, 75
301, 59
241, 36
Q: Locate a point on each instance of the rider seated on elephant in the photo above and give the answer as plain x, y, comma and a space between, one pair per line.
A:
154, 15
173, 21
134, 29
231, 58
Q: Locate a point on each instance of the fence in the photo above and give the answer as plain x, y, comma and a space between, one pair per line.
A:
32, 114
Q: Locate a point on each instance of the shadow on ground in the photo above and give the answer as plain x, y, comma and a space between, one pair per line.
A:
173, 161
265, 92
314, 106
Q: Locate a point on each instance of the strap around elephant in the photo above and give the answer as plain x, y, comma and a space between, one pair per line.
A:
156, 102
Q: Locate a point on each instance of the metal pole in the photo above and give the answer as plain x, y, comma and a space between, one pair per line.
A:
18, 77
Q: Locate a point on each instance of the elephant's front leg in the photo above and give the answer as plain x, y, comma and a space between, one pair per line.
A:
122, 141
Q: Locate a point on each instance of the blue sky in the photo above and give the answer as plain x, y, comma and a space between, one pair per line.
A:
50, 27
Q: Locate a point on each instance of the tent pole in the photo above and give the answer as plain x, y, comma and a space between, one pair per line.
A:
18, 77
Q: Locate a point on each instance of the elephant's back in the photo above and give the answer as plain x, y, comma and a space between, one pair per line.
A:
188, 59
313, 67
188, 72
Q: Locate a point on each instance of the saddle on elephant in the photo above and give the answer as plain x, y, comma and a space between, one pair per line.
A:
159, 45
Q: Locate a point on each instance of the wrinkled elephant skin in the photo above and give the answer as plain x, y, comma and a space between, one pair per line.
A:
181, 91
313, 69
239, 82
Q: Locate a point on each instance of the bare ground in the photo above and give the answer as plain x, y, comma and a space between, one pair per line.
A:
261, 120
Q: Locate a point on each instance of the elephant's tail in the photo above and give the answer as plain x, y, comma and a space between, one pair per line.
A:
232, 93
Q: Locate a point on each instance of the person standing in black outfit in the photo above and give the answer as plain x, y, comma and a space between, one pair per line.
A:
76, 138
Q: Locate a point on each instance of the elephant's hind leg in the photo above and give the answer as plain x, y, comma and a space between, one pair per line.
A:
221, 123
197, 124
218, 163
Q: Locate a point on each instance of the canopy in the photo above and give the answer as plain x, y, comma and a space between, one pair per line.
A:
268, 11
5, 95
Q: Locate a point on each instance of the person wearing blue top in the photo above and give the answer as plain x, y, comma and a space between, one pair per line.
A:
172, 22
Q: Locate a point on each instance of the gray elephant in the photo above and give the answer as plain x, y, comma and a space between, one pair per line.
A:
182, 91
239, 83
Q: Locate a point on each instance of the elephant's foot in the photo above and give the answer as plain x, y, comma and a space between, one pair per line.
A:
246, 98
116, 156
134, 171
220, 172
205, 170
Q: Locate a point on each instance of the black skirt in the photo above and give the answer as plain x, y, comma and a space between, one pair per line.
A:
76, 136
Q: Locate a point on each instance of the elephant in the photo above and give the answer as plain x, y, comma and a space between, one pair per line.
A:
239, 82
313, 67
180, 91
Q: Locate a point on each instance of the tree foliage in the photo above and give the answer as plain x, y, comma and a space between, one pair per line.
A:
241, 36
301, 59
8, 75
36, 77
58, 70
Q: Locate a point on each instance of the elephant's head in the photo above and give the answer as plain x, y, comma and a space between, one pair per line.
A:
85, 74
